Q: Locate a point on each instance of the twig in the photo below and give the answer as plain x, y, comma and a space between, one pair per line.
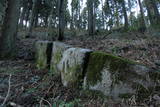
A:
9, 88
14, 104
42, 99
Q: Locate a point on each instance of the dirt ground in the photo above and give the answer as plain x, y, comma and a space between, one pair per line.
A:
23, 85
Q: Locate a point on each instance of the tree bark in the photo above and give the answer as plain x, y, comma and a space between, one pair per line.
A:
9, 29
103, 15
22, 16
143, 25
31, 22
91, 28
125, 15
61, 20
72, 19
153, 13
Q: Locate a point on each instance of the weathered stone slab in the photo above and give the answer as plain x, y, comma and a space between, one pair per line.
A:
72, 66
43, 54
119, 78
57, 53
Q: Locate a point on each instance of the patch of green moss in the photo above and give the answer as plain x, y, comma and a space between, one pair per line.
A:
116, 65
41, 56
55, 60
120, 68
58, 56
41, 62
72, 75
95, 66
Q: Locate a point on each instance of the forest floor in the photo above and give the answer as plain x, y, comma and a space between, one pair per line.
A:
22, 85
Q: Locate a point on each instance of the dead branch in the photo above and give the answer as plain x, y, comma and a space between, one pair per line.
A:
9, 88
42, 99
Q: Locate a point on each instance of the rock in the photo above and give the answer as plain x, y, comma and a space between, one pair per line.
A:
43, 54
118, 77
57, 52
72, 66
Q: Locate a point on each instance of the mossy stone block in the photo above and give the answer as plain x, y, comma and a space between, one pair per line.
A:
72, 66
43, 54
118, 77
57, 54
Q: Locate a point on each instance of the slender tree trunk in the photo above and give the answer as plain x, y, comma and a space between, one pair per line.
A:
46, 21
26, 18
91, 28
143, 25
72, 26
61, 20
79, 14
125, 15
102, 15
49, 27
117, 15
9, 30
76, 18
153, 13
35, 20
22, 16
2, 12
31, 22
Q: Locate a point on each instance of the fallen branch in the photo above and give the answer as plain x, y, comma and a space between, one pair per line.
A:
9, 88
14, 104
42, 99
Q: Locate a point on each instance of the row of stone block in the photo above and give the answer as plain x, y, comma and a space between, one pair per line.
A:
113, 76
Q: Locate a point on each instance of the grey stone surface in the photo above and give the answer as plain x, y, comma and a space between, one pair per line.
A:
119, 78
57, 54
72, 66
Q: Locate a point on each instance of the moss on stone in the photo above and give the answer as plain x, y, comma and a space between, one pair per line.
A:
55, 60
41, 60
95, 66
100, 60
43, 54
58, 56
123, 71
72, 76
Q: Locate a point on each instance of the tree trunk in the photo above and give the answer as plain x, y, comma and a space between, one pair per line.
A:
117, 15
153, 13
102, 15
31, 22
9, 29
79, 15
90, 18
72, 26
35, 24
22, 16
125, 15
143, 25
61, 20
